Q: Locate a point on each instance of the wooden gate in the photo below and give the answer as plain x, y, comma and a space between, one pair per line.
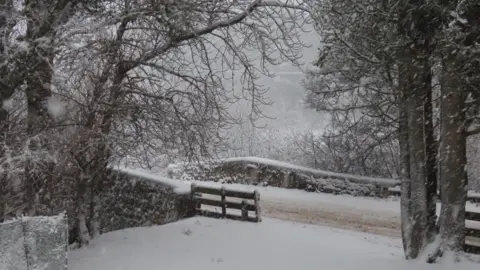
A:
244, 202
472, 233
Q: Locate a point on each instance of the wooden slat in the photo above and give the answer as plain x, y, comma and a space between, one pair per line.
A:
207, 213
224, 202
472, 232
395, 192
240, 194
208, 190
229, 193
472, 216
233, 205
471, 249
473, 199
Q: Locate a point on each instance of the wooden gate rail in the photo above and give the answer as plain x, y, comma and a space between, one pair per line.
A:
244, 206
472, 232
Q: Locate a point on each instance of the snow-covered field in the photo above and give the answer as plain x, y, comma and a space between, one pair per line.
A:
207, 243
300, 230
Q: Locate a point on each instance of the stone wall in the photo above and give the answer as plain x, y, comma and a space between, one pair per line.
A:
129, 200
126, 201
132, 201
263, 172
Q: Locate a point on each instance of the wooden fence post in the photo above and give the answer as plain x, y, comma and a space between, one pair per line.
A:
193, 197
224, 202
257, 205
244, 210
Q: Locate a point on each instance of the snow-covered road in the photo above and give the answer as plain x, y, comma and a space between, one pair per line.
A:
333, 215
379, 216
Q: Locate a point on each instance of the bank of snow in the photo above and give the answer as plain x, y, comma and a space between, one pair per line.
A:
209, 244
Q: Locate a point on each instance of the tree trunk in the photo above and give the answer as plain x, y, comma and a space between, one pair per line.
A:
416, 206
81, 210
453, 157
6, 90
38, 92
99, 131
430, 162
11, 76
43, 19
417, 31
418, 192
406, 219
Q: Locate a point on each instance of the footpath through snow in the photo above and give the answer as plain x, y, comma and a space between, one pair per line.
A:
209, 244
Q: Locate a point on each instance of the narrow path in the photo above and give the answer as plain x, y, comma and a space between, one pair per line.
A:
373, 215
378, 216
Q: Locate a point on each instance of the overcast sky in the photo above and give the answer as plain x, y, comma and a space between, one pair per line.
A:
286, 91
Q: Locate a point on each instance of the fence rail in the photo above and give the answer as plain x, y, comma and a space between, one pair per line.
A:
472, 246
471, 196
225, 203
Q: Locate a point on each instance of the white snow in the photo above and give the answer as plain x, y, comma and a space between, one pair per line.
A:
473, 194
23, 46
8, 104
178, 187
56, 107
209, 244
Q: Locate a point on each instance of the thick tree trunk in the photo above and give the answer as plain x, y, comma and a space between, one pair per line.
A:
10, 78
453, 158
103, 152
430, 162
417, 31
418, 193
43, 18
38, 92
6, 89
81, 204
416, 206
98, 132
406, 219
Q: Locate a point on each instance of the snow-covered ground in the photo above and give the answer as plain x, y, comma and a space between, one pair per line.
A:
207, 243
365, 214
380, 216
297, 232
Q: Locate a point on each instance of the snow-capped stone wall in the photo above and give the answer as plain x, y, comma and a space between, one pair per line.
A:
128, 199
265, 172
133, 200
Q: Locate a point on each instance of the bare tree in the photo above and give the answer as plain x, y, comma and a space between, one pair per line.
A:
152, 79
